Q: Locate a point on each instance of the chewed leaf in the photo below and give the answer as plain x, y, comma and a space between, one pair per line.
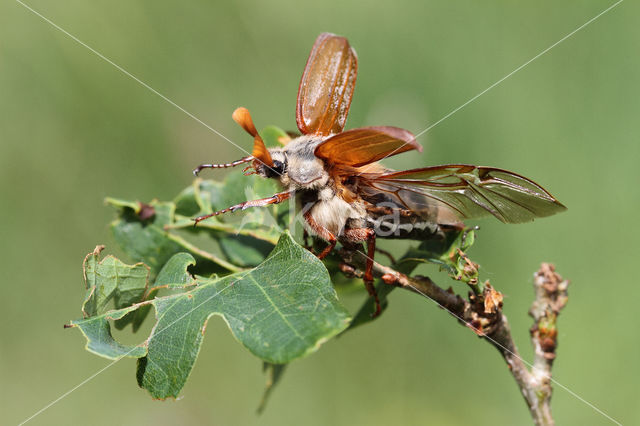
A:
173, 276
283, 309
110, 279
174, 273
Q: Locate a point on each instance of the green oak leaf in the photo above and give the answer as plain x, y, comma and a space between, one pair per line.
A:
100, 341
148, 240
205, 196
281, 310
244, 238
244, 250
141, 231
174, 273
152, 233
111, 280
273, 136
274, 374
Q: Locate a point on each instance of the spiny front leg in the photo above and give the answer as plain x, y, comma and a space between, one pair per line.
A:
323, 233
368, 235
275, 199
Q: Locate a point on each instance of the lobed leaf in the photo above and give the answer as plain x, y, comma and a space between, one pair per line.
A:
283, 309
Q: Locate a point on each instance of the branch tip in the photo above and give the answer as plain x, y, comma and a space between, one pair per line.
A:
482, 313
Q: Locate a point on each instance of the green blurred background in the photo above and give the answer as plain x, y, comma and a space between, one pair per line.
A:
74, 129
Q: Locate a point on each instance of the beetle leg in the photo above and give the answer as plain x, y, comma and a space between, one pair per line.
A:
368, 235
368, 273
275, 199
348, 270
323, 233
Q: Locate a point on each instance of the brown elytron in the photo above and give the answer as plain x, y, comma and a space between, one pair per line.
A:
326, 87
347, 196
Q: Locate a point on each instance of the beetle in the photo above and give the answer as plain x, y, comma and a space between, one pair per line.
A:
351, 198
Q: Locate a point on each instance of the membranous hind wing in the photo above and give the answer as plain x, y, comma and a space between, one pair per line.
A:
450, 193
326, 87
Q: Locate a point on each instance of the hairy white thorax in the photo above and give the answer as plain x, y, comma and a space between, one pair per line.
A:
306, 173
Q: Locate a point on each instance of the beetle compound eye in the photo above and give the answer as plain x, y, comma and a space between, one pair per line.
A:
279, 167
277, 170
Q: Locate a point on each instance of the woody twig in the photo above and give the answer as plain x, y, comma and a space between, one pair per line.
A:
482, 313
